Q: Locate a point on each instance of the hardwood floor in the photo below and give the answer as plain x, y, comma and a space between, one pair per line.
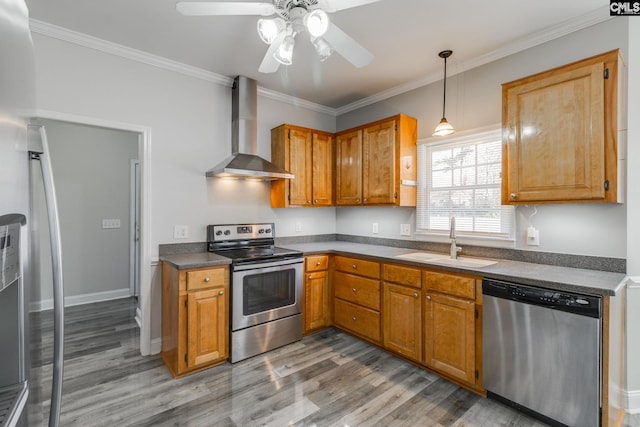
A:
327, 379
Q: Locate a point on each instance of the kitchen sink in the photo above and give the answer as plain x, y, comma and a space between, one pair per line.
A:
446, 260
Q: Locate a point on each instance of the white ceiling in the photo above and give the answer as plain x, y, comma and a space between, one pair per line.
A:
404, 35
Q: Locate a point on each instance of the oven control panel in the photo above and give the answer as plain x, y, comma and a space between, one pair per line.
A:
217, 233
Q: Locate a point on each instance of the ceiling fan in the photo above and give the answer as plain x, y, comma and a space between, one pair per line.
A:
292, 18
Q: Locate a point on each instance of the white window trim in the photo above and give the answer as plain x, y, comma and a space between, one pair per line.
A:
492, 131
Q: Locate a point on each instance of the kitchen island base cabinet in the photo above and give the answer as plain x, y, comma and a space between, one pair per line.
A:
195, 318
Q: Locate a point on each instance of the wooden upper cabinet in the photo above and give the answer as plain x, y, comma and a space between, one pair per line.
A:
307, 154
349, 168
560, 134
378, 163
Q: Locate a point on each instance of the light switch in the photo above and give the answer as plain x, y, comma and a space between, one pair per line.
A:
110, 223
180, 231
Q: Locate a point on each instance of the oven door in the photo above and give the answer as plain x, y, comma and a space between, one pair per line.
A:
267, 291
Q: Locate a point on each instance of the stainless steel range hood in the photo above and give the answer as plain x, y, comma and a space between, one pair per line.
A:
244, 163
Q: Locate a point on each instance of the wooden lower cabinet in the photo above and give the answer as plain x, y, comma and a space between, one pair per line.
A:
449, 336
402, 320
195, 318
355, 318
317, 311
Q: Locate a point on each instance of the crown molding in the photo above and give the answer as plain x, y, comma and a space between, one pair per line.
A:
550, 33
95, 43
553, 32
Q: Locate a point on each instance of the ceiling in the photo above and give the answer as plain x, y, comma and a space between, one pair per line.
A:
405, 37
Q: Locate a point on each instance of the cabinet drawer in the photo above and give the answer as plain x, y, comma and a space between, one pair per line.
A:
200, 279
402, 275
450, 284
357, 319
316, 263
357, 289
358, 266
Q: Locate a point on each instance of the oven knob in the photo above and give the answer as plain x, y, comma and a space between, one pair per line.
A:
268, 231
261, 231
227, 232
219, 233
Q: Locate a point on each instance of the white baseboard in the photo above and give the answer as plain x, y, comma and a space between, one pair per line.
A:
139, 316
156, 345
69, 301
632, 401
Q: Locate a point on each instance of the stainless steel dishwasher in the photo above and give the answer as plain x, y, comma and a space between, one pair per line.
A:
541, 352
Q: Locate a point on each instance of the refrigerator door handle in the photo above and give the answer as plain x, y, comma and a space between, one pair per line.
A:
58, 284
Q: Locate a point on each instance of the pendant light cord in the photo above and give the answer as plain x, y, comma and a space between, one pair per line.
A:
444, 95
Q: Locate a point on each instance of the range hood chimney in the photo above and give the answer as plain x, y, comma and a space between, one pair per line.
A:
244, 163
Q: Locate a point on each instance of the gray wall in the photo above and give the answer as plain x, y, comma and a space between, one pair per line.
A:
91, 169
474, 100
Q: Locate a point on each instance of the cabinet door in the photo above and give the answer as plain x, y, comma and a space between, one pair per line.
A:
300, 165
402, 321
322, 169
349, 168
555, 139
207, 326
449, 336
316, 302
378, 170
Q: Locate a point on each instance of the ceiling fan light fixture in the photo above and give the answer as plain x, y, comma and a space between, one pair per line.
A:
317, 22
284, 53
444, 127
268, 29
323, 48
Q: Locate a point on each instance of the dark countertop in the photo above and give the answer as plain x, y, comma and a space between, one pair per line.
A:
568, 279
195, 260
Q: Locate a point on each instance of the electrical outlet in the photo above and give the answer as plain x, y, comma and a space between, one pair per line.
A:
110, 223
298, 227
180, 231
405, 229
375, 229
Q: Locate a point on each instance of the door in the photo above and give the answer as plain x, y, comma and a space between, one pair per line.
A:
316, 300
349, 168
322, 169
402, 320
378, 169
449, 336
207, 326
300, 165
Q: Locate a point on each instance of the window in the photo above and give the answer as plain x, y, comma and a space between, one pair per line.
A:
461, 176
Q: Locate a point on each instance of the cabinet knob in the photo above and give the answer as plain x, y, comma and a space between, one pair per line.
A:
318, 264
513, 195
315, 201
221, 293
309, 277
355, 267
364, 200
206, 279
354, 290
357, 200
428, 298
308, 202
353, 318
415, 295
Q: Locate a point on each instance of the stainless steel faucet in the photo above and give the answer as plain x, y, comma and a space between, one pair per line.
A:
453, 251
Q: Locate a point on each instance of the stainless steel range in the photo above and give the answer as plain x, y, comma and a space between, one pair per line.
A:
266, 288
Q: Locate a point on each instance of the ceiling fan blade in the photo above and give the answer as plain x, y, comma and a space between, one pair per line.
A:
331, 6
269, 63
192, 8
350, 49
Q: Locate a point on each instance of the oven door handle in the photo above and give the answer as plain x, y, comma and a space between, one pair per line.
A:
266, 264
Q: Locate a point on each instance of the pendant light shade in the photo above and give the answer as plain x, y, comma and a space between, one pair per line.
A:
444, 127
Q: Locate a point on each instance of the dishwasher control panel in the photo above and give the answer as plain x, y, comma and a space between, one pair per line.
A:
587, 305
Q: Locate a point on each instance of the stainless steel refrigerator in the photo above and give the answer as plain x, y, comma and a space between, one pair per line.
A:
24, 159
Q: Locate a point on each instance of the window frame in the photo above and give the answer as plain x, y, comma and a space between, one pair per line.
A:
506, 239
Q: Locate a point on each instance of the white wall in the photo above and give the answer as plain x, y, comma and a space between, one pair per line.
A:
91, 168
633, 213
474, 100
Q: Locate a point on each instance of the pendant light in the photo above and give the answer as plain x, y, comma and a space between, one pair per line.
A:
444, 127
